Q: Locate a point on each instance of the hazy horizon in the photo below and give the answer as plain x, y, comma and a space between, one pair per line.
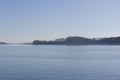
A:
28, 20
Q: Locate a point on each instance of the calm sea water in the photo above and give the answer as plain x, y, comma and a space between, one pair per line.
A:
26, 62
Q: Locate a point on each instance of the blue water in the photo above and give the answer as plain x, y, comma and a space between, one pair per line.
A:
27, 62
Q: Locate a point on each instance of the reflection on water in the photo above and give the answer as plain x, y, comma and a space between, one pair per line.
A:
23, 62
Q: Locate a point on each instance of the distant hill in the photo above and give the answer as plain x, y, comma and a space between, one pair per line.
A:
2, 43
76, 40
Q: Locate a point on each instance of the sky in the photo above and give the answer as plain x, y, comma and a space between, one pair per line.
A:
28, 20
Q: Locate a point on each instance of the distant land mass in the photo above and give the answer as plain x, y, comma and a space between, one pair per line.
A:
2, 43
77, 40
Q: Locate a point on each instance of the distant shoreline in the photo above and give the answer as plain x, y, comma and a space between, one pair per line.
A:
76, 40
73, 40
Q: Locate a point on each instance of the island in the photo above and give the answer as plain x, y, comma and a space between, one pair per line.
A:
77, 40
1, 43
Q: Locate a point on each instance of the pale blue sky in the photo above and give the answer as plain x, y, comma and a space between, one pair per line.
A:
27, 20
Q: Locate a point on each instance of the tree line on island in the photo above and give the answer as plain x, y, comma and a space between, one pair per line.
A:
76, 40
1, 43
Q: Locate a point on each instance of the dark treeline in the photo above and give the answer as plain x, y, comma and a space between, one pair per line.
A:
76, 40
2, 43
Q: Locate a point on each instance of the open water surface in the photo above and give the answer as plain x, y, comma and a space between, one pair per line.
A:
27, 62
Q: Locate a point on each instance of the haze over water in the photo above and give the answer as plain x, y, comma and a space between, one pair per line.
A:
23, 62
